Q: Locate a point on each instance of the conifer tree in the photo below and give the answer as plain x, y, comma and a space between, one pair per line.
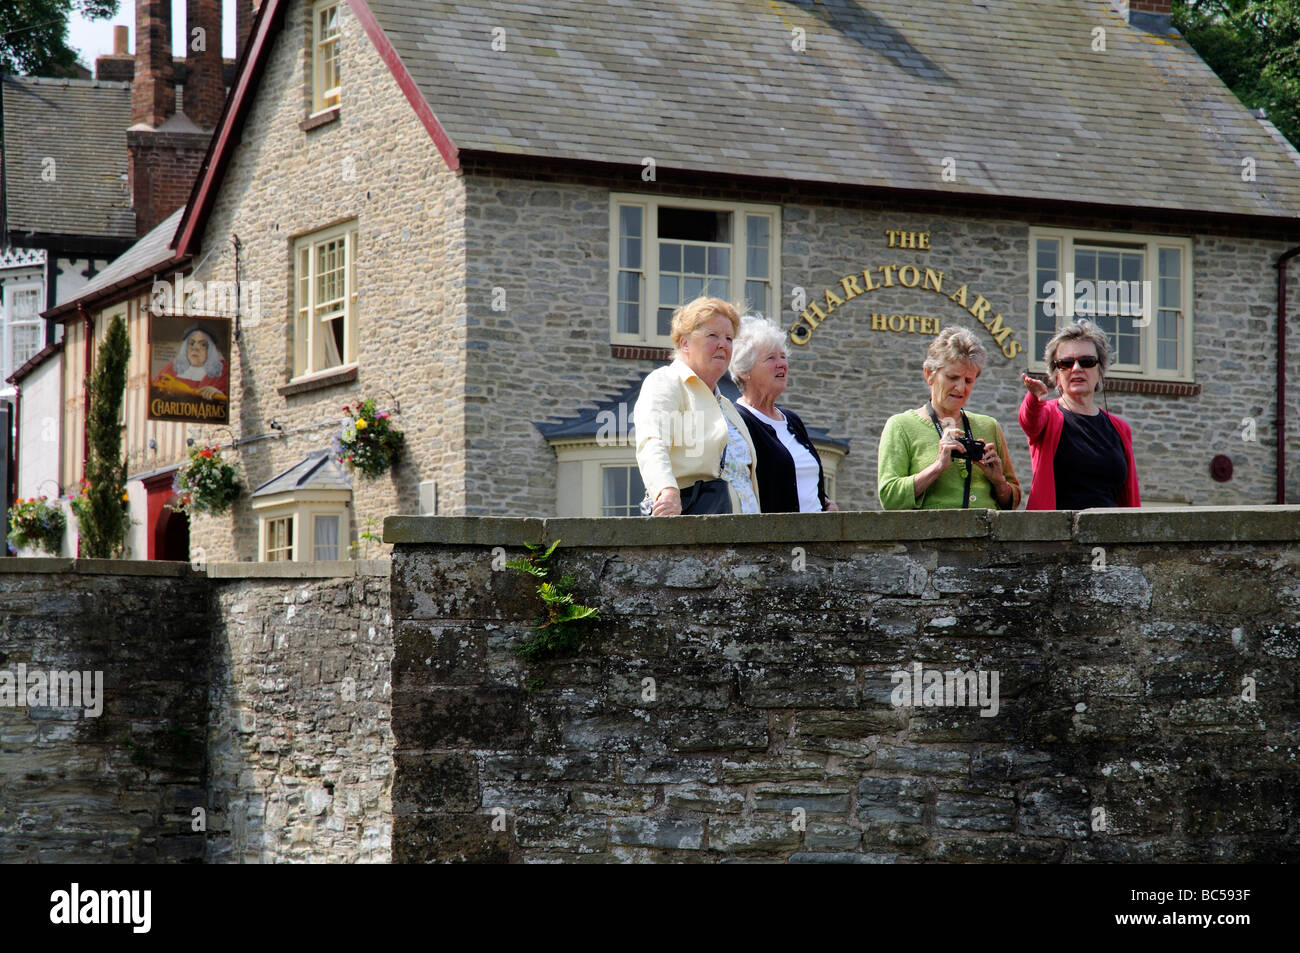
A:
103, 518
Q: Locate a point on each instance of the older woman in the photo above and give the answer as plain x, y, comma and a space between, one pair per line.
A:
692, 447
938, 456
1082, 455
198, 365
790, 478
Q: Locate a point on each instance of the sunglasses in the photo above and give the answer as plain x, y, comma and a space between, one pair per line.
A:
1087, 363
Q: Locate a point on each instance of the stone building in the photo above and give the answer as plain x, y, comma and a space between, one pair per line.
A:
481, 216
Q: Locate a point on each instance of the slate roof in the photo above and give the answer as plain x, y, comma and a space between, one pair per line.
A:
317, 471
587, 424
1012, 90
81, 125
149, 253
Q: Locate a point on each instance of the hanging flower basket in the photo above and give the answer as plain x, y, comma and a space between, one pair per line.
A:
368, 442
207, 484
38, 523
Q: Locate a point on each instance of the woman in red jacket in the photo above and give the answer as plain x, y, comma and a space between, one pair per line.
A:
1082, 455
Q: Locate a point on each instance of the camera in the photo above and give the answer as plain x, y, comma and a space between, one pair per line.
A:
972, 449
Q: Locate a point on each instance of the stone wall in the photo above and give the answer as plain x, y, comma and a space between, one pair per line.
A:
245, 714
299, 742
119, 786
1147, 664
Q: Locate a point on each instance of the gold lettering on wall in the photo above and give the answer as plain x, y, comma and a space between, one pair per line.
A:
908, 276
904, 239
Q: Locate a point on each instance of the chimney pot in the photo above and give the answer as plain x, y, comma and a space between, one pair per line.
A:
121, 39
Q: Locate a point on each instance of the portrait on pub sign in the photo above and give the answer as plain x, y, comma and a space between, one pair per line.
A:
189, 369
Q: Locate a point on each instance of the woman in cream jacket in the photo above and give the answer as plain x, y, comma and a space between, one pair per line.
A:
683, 423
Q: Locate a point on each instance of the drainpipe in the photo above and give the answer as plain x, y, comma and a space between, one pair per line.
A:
1281, 371
18, 438
85, 386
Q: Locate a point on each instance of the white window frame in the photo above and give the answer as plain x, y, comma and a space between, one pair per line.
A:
1150, 246
8, 360
649, 271
264, 530
308, 355
305, 508
325, 49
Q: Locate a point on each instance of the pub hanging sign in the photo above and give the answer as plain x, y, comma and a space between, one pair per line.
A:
189, 368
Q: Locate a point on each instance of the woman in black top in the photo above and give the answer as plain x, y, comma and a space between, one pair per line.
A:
1082, 455
789, 470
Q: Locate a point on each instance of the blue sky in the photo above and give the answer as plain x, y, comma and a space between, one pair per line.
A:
96, 39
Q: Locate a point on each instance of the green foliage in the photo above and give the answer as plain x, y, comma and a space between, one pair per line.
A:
1254, 47
34, 34
102, 513
207, 484
559, 631
37, 522
368, 441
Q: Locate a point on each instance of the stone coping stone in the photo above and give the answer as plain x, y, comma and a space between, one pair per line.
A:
867, 525
1199, 524
286, 569
1189, 524
111, 567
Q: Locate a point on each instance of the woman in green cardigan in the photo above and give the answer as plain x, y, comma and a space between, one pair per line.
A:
921, 461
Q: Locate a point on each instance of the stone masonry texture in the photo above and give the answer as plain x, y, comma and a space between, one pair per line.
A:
1147, 667
118, 787
251, 706
299, 745
374, 165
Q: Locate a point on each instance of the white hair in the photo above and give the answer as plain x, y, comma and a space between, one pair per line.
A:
181, 362
757, 336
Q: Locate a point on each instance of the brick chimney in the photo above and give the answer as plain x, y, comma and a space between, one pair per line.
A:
118, 66
205, 86
1158, 7
1157, 12
245, 10
153, 98
165, 149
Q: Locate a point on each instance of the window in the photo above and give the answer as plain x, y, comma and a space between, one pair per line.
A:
325, 56
278, 539
621, 491
666, 252
1137, 289
22, 327
324, 333
326, 537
